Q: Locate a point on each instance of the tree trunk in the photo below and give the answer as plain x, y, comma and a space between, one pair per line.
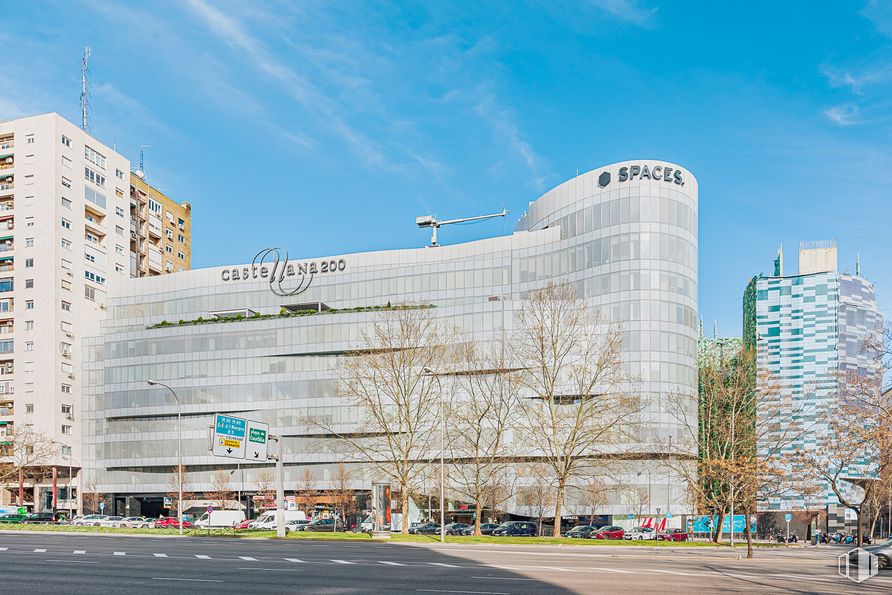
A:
717, 532
478, 510
746, 530
858, 528
873, 522
404, 504
557, 510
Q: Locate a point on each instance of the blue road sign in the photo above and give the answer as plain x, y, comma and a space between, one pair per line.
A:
630, 517
668, 515
788, 517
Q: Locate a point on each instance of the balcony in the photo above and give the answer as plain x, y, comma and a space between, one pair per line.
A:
6, 162
7, 182
6, 246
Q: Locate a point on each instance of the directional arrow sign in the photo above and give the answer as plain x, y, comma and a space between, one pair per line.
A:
258, 434
230, 436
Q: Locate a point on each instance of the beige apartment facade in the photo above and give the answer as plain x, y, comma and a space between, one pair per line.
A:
160, 230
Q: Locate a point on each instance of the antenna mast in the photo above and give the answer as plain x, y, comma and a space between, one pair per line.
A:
84, 60
434, 223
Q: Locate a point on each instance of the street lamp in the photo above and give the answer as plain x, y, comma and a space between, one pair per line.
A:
428, 372
179, 451
648, 487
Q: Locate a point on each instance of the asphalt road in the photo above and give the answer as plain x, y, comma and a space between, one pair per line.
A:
66, 563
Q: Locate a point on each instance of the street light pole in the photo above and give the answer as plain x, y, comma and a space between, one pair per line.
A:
179, 451
428, 372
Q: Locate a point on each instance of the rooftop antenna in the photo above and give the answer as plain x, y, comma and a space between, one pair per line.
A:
858, 264
434, 223
84, 60
141, 172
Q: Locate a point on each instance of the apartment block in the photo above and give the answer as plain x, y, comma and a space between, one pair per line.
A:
66, 236
160, 230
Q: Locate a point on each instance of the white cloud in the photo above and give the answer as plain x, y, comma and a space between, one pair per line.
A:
629, 11
844, 114
502, 122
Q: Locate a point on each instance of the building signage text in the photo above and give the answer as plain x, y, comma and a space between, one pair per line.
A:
272, 264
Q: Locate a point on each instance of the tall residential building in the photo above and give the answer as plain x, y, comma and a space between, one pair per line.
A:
64, 241
807, 329
160, 230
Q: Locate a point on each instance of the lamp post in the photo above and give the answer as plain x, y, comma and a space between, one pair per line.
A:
428, 372
179, 451
648, 487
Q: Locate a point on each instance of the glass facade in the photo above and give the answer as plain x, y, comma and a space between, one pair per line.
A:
629, 248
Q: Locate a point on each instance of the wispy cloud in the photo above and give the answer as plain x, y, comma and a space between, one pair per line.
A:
502, 122
629, 11
843, 115
879, 12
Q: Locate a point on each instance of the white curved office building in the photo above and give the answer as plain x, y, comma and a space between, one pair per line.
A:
624, 235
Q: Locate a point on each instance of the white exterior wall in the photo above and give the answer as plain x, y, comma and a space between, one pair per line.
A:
40, 165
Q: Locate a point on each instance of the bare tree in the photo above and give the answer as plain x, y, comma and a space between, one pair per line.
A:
577, 410
173, 489
387, 381
538, 493
342, 494
23, 449
306, 492
594, 495
266, 487
92, 497
221, 488
482, 410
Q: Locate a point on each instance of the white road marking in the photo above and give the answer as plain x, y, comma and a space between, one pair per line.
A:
669, 572
40, 551
248, 558
442, 564
191, 580
614, 570
471, 592
74, 561
294, 560
390, 563
160, 555
505, 578
80, 551
120, 553
3, 549
202, 557
273, 569
342, 562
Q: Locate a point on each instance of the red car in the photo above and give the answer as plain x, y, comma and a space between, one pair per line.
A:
609, 532
243, 525
171, 523
673, 535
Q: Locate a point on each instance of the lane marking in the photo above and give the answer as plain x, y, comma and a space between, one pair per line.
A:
273, 569
614, 570
443, 564
669, 572
40, 551
505, 578
191, 580
120, 553
3, 549
471, 592
202, 557
160, 555
74, 561
559, 568
80, 551
390, 563
342, 562
248, 558
294, 560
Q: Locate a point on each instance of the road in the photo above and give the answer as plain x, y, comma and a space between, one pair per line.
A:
70, 563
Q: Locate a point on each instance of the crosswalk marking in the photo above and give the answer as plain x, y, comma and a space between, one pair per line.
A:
79, 552
442, 564
40, 551
342, 562
294, 560
248, 558
202, 557
3, 549
120, 553
160, 555
390, 563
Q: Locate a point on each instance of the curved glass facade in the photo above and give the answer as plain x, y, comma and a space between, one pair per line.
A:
625, 237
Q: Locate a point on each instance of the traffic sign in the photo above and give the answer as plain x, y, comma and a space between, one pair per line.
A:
630, 516
210, 508
668, 515
229, 436
102, 506
22, 510
788, 517
168, 502
258, 437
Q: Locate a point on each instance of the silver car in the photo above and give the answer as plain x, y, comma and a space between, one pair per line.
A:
883, 552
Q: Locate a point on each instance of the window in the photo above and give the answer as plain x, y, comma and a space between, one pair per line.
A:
66, 306
181, 256
119, 268
181, 238
66, 162
94, 197
119, 211
155, 206
29, 179
119, 193
29, 221
29, 263
119, 230
65, 326
66, 450
169, 234
168, 267
6, 284
119, 248
29, 304
66, 182
95, 177
66, 224
29, 325
66, 264
66, 367
91, 238
29, 283
90, 293
66, 203
29, 242
65, 348
66, 429
181, 223
66, 141
29, 139
66, 244
119, 174
7, 346
66, 284
89, 257
29, 407
67, 409
66, 388
168, 249
29, 345
94, 157
95, 278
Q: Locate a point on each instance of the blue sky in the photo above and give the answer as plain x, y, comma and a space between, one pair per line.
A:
327, 127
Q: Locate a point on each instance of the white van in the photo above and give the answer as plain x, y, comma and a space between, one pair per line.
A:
220, 518
268, 519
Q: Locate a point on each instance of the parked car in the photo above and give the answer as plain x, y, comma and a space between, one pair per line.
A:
110, 521
485, 529
12, 518
639, 533
883, 552
43, 518
89, 520
673, 535
328, 525
580, 531
135, 522
171, 523
609, 532
456, 528
516, 529
425, 529
244, 524
296, 525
